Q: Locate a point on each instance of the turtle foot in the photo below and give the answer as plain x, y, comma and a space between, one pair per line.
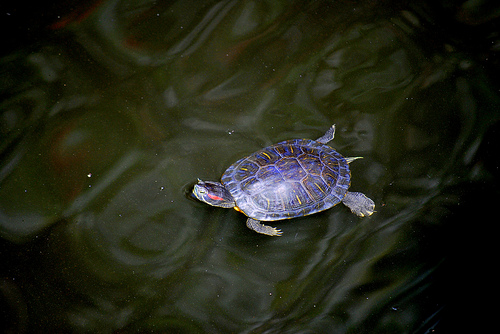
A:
258, 227
328, 136
359, 204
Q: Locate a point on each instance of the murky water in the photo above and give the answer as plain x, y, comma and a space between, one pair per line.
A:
107, 123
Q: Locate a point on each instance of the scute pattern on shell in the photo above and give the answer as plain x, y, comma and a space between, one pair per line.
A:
289, 179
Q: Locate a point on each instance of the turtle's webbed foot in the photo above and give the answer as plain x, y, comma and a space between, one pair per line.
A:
258, 227
359, 204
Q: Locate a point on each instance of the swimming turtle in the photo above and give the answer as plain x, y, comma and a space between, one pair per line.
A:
290, 179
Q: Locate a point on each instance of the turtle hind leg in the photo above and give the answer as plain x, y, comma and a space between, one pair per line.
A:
351, 159
258, 227
359, 204
328, 136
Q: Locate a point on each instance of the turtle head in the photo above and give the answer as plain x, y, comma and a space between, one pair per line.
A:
213, 193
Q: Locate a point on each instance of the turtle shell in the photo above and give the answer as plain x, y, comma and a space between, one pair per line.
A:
290, 179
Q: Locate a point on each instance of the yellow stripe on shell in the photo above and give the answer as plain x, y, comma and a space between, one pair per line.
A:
298, 199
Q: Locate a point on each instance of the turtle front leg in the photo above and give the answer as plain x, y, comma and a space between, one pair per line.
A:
359, 204
258, 227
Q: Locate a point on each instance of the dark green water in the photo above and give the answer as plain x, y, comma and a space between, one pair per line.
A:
110, 116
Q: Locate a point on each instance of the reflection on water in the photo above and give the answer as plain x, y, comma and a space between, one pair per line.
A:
107, 124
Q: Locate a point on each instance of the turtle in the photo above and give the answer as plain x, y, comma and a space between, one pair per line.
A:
292, 178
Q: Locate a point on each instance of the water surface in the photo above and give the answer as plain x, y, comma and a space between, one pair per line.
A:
107, 122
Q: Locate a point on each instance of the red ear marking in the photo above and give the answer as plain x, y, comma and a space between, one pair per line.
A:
217, 198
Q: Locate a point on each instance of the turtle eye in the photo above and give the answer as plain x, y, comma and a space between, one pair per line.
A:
201, 190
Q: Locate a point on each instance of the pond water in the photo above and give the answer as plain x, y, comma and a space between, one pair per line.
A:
109, 118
